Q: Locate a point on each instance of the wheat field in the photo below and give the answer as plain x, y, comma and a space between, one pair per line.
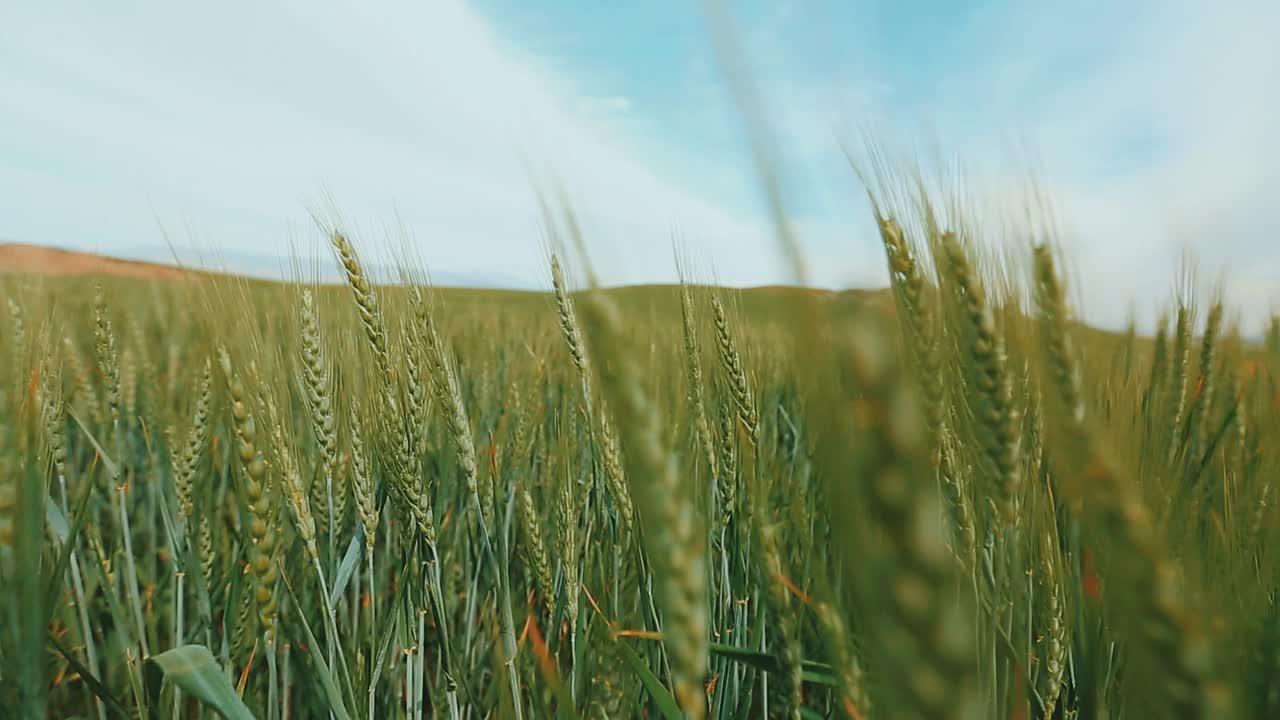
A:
386, 500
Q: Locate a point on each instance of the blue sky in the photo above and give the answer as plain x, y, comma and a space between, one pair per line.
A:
1150, 125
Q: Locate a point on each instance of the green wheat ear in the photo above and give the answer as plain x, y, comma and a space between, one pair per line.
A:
612, 455
731, 363
986, 375
693, 376
257, 496
1169, 632
317, 386
187, 458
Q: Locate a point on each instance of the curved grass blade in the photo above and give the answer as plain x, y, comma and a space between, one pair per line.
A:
811, 671
112, 469
32, 612
81, 512
55, 520
345, 570
193, 669
661, 696
90, 680
389, 621
337, 704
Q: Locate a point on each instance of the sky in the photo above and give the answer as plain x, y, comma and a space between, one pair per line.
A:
1149, 126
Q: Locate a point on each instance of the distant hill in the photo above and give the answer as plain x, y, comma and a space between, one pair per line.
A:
323, 269
40, 260
771, 301
158, 263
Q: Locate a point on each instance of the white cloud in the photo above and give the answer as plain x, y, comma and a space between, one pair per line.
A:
1152, 128
236, 117
1202, 79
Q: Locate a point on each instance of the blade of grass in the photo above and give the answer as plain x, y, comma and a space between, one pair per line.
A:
90, 680
68, 544
193, 669
349, 562
662, 697
32, 611
337, 703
